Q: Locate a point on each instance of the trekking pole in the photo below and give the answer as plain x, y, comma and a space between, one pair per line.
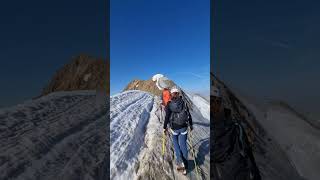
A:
163, 143
194, 157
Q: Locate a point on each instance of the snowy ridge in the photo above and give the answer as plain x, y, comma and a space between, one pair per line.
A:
297, 138
53, 137
141, 110
129, 113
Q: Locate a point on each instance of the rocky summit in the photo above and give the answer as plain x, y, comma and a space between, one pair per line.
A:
84, 72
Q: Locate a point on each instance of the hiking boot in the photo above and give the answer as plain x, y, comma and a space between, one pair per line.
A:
180, 167
184, 172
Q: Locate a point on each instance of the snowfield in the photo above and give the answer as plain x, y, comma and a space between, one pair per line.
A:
58, 136
129, 113
136, 138
202, 104
296, 137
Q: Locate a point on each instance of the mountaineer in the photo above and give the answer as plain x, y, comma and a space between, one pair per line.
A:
179, 119
232, 155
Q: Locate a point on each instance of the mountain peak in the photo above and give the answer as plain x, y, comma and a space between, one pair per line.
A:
146, 85
84, 72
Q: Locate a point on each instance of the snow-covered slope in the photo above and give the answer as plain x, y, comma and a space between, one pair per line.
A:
272, 160
137, 154
297, 138
202, 104
129, 113
58, 136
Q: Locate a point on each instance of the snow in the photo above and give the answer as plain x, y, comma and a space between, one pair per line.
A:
58, 136
136, 138
299, 139
129, 113
202, 104
296, 137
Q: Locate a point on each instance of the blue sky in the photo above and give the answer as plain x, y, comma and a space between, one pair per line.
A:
39, 37
168, 37
270, 49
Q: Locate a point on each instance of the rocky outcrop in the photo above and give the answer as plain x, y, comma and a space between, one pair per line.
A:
82, 73
150, 87
146, 85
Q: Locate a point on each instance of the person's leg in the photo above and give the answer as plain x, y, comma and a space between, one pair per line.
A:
183, 144
176, 149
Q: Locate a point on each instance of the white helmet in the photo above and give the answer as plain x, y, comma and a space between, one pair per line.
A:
174, 89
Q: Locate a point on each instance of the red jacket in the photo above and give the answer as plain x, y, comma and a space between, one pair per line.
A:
166, 97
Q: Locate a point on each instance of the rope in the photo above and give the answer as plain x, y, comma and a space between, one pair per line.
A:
173, 159
164, 142
193, 153
194, 157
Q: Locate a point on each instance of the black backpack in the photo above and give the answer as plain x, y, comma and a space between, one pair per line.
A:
232, 154
179, 112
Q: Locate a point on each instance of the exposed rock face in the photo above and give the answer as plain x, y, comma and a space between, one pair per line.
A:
58, 136
82, 73
272, 161
150, 86
146, 85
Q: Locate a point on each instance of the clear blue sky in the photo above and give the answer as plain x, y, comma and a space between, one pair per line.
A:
168, 37
270, 49
38, 37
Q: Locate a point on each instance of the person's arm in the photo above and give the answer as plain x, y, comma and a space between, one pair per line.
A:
166, 119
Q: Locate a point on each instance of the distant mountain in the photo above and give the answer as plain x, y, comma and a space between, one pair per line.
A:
84, 72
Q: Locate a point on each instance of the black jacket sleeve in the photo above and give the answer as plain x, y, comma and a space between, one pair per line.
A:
166, 119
